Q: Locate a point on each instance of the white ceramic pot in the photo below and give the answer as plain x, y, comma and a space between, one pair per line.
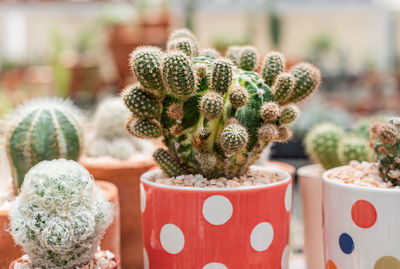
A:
310, 181
361, 226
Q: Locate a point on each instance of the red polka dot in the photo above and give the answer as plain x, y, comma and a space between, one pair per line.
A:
330, 265
364, 214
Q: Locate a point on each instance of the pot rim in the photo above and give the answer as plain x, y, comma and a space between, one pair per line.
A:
304, 171
286, 178
328, 181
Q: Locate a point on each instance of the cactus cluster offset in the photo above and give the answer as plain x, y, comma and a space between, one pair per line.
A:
60, 215
216, 114
385, 138
42, 129
329, 145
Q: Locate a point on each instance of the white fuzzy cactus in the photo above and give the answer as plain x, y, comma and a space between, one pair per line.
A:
60, 215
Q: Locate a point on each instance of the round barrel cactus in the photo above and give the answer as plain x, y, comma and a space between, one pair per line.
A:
42, 129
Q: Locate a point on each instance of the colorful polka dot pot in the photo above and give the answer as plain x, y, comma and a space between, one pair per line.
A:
225, 228
360, 226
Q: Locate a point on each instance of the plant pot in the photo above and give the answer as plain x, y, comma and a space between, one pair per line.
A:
112, 237
8, 250
310, 182
361, 226
125, 175
282, 166
188, 227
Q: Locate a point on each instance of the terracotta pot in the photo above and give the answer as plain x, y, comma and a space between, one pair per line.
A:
11, 266
112, 237
188, 227
8, 250
125, 175
310, 182
283, 166
361, 225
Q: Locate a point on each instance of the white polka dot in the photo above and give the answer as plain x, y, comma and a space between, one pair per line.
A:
288, 198
262, 235
142, 198
215, 265
217, 209
285, 258
146, 262
172, 238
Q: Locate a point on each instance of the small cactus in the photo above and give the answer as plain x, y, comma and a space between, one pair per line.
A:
60, 215
42, 129
307, 80
217, 114
141, 103
273, 65
386, 143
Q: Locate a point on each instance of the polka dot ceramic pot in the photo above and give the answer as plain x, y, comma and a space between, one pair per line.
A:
361, 226
221, 228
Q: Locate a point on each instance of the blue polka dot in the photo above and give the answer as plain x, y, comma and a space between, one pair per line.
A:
346, 243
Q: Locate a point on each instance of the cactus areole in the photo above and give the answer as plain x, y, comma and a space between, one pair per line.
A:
213, 108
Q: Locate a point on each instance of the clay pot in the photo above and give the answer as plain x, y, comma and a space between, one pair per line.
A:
112, 237
125, 175
283, 166
8, 250
189, 227
310, 182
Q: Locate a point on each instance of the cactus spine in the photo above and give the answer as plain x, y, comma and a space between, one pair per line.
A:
42, 129
217, 115
60, 215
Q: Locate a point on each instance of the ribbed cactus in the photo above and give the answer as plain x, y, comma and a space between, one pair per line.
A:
42, 129
217, 115
386, 141
60, 215
329, 145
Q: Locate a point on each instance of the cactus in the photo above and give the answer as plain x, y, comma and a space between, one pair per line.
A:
217, 115
42, 129
385, 138
273, 65
329, 145
60, 215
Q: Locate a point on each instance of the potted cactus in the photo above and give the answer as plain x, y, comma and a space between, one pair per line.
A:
59, 217
361, 202
329, 146
113, 155
215, 116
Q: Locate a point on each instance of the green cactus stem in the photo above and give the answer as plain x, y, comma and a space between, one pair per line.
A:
283, 87
248, 58
308, 78
144, 128
274, 64
221, 75
184, 33
238, 97
141, 103
211, 105
182, 44
167, 163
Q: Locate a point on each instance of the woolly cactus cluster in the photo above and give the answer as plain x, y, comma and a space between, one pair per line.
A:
329, 145
386, 142
215, 114
60, 215
42, 129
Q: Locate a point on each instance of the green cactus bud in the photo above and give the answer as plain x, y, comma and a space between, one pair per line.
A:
387, 132
208, 162
201, 70
60, 215
211, 105
180, 33
308, 78
42, 129
141, 103
267, 133
167, 163
221, 75
283, 87
144, 128
354, 148
284, 134
289, 114
233, 53
274, 63
233, 138
145, 63
270, 111
182, 44
178, 74
238, 97
248, 58
211, 53
175, 111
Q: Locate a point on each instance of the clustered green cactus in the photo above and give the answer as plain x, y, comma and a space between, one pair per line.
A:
60, 215
329, 145
42, 129
216, 115
385, 138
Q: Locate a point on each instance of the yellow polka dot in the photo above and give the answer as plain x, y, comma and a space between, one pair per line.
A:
387, 262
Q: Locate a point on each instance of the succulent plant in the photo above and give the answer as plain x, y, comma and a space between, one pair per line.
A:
386, 142
217, 115
42, 129
329, 145
60, 215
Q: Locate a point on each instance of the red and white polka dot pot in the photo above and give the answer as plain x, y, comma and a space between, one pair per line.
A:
219, 228
360, 225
